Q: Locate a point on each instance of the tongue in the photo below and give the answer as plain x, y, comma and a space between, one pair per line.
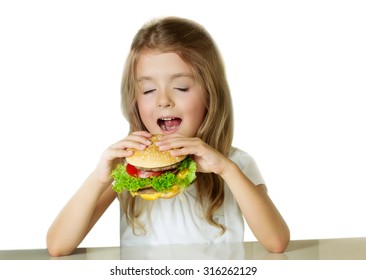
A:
170, 124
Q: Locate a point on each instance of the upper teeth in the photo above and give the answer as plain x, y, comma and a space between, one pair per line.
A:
166, 119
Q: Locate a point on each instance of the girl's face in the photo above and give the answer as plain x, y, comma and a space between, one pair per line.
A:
169, 98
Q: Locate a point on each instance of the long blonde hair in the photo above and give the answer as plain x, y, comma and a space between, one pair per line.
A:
196, 47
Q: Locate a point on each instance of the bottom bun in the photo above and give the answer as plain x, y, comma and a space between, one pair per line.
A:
153, 194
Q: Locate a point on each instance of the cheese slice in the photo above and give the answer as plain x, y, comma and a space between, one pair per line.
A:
153, 196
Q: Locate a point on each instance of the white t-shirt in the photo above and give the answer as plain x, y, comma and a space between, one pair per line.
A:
180, 220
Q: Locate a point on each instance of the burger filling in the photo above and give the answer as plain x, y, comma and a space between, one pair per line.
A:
128, 177
141, 173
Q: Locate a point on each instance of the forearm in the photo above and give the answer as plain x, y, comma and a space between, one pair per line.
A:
75, 219
258, 210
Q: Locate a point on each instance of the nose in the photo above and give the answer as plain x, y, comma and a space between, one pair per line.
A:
164, 100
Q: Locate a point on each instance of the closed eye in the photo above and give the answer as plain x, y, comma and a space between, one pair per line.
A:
149, 91
182, 89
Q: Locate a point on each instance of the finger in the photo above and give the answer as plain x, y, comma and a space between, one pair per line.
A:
180, 152
112, 154
171, 137
145, 134
188, 150
132, 142
128, 145
176, 143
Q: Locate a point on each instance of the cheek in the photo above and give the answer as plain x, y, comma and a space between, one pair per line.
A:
143, 104
144, 110
198, 107
197, 115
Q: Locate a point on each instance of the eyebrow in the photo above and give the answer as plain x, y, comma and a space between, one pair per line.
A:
174, 76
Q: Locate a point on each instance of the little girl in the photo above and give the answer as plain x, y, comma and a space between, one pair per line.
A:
174, 84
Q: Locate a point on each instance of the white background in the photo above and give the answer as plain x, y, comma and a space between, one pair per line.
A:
297, 71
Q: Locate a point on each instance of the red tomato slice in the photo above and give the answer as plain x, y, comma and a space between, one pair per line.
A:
133, 171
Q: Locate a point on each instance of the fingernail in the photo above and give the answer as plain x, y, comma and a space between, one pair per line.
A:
142, 146
162, 148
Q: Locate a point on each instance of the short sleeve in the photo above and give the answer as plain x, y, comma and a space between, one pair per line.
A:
248, 165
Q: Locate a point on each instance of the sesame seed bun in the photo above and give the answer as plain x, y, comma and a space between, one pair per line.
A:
152, 157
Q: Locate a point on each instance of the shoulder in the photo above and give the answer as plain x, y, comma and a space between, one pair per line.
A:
247, 164
240, 157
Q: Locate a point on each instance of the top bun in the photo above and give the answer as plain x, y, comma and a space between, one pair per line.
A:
152, 157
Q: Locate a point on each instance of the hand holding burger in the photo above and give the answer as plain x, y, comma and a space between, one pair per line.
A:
153, 174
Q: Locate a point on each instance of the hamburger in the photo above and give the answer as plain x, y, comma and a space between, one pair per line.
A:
153, 174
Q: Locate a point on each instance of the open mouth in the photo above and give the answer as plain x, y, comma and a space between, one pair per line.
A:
169, 124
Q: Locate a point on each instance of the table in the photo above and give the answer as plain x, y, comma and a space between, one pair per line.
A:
317, 249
